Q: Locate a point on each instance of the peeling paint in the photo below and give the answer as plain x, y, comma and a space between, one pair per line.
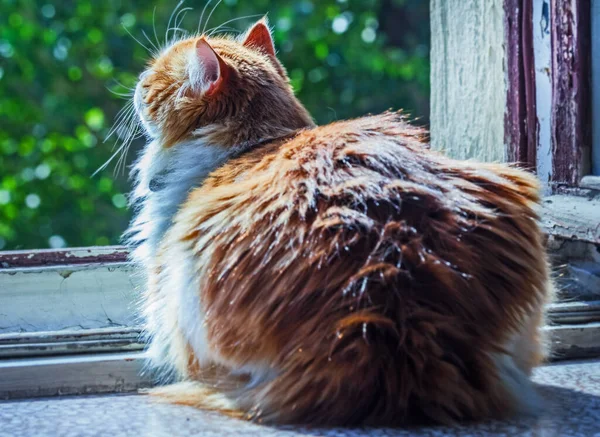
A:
52, 298
571, 91
520, 122
543, 82
66, 273
468, 88
51, 257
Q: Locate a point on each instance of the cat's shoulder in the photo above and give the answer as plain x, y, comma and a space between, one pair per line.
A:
387, 125
324, 147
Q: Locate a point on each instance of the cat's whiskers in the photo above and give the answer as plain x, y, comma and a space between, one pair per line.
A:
210, 15
156, 49
122, 116
138, 41
212, 31
202, 15
154, 28
178, 20
127, 95
173, 14
227, 30
126, 126
109, 160
122, 85
176, 26
120, 126
122, 161
133, 132
183, 35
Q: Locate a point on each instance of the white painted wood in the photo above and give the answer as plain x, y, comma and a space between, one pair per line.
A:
590, 182
572, 218
87, 308
80, 374
66, 297
124, 372
112, 340
542, 53
570, 313
468, 83
71, 255
69, 342
82, 302
90, 309
575, 341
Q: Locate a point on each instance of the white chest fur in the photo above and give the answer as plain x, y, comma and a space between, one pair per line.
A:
164, 178
172, 310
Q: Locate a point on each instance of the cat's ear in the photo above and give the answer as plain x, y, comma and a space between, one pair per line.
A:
259, 37
210, 72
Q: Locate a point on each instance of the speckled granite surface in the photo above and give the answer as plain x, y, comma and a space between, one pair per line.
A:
571, 391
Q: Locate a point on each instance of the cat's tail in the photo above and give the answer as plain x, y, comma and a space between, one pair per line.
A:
197, 394
373, 375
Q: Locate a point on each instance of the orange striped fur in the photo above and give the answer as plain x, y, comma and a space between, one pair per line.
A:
335, 275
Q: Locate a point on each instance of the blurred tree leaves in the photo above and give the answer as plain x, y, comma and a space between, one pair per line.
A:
62, 65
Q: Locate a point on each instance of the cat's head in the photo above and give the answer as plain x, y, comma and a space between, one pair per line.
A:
230, 90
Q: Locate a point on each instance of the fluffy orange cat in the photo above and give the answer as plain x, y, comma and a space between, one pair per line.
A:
333, 275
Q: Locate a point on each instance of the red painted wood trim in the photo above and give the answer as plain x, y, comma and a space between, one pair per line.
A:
520, 120
54, 257
571, 91
531, 121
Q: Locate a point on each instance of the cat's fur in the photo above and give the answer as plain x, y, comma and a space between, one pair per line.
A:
342, 274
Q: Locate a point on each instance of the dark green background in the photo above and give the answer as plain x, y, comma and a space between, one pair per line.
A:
58, 61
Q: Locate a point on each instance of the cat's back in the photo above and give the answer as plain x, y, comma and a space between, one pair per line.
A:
351, 249
365, 202
377, 166
299, 168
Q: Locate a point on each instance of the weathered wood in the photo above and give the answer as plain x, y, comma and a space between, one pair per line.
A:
574, 313
591, 182
575, 341
66, 297
542, 48
52, 257
468, 92
80, 374
69, 342
125, 372
520, 122
113, 340
573, 218
571, 91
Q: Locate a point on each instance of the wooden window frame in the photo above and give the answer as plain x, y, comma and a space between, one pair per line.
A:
99, 349
571, 103
595, 52
97, 352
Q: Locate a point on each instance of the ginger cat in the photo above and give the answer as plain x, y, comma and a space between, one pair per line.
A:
334, 275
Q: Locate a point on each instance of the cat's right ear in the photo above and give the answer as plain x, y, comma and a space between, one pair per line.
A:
209, 71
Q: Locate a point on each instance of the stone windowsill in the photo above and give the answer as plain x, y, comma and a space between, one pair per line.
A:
570, 390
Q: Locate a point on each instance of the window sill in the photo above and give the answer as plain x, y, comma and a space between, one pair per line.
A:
118, 372
570, 394
572, 217
590, 182
68, 321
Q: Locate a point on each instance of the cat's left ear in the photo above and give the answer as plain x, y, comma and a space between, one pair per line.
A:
209, 72
259, 37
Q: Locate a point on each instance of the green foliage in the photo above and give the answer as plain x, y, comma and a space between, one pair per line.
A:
59, 62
